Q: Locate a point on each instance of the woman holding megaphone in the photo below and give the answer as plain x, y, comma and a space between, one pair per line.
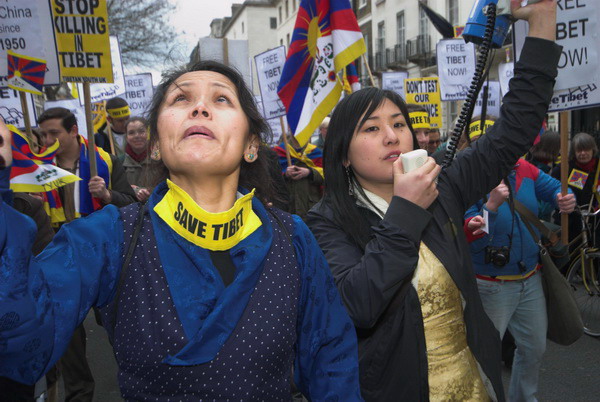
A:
394, 239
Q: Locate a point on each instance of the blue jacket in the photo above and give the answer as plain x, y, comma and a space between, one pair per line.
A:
529, 185
43, 298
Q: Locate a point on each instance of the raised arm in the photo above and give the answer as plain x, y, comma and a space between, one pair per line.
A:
478, 169
43, 298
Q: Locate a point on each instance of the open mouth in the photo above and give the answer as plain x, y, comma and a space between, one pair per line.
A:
198, 131
392, 155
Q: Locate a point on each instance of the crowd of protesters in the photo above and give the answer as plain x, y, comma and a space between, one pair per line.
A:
222, 269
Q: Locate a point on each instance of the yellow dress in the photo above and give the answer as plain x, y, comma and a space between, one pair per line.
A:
453, 371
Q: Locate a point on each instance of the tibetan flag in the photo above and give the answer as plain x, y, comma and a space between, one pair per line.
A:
326, 39
26, 73
352, 76
33, 172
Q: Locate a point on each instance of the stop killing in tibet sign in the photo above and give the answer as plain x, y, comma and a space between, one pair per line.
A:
81, 29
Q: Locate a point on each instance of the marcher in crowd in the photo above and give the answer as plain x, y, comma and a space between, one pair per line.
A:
111, 136
72, 201
434, 142
420, 121
136, 160
394, 240
506, 261
304, 177
322, 132
220, 295
584, 178
544, 155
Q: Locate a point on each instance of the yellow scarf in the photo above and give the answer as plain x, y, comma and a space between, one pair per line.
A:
216, 232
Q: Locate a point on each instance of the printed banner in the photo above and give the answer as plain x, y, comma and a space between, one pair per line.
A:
75, 108
26, 28
493, 101
81, 29
394, 82
577, 32
100, 92
456, 66
269, 66
10, 106
426, 92
138, 92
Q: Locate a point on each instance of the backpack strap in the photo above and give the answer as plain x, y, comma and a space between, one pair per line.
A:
139, 221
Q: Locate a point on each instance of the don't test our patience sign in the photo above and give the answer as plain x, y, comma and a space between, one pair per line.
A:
81, 28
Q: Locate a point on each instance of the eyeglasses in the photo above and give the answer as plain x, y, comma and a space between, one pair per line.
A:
141, 131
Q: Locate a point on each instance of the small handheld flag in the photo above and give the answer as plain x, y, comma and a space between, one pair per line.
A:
26, 73
32, 172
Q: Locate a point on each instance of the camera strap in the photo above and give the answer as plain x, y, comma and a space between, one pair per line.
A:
511, 205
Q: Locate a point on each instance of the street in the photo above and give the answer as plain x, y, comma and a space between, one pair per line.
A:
568, 373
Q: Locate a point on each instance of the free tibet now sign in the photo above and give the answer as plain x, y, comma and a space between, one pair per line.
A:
81, 29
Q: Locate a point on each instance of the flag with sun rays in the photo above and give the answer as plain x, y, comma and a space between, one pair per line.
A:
25, 73
326, 39
33, 172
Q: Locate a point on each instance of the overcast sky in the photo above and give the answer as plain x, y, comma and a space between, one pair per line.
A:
191, 19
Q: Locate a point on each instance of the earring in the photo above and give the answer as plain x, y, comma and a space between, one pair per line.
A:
350, 182
251, 156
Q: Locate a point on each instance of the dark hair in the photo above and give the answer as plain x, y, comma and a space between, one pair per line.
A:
582, 141
67, 118
134, 119
351, 113
413, 107
116, 103
252, 175
548, 149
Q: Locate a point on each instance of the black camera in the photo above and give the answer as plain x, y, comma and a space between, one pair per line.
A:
499, 256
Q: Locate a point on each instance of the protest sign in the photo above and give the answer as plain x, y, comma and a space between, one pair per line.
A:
10, 106
100, 92
456, 66
75, 108
26, 28
81, 29
394, 82
426, 91
577, 32
494, 99
138, 92
269, 66
274, 123
505, 73
236, 54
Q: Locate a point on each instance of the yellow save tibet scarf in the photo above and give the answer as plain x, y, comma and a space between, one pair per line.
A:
216, 232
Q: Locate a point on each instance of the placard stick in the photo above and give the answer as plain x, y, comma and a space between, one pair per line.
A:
368, 70
285, 141
87, 99
225, 52
23, 97
110, 137
564, 171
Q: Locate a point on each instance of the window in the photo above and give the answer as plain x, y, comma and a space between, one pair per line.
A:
293, 5
453, 12
280, 16
280, 42
381, 37
242, 28
423, 21
362, 3
287, 8
288, 40
273, 22
400, 23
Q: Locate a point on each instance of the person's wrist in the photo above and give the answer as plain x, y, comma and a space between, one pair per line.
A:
543, 26
107, 198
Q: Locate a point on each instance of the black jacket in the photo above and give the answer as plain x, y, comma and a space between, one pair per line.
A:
375, 283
